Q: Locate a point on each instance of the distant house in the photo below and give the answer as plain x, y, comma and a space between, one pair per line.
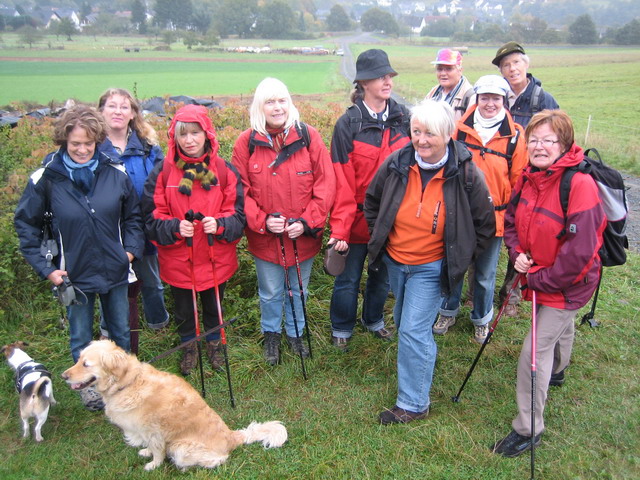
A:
413, 22
60, 13
429, 19
9, 12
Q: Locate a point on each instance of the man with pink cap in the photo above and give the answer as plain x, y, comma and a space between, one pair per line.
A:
452, 87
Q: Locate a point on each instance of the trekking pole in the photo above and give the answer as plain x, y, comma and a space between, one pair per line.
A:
190, 217
223, 335
534, 322
456, 397
588, 317
302, 300
290, 294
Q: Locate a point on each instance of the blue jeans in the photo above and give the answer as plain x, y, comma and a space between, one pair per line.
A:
152, 290
417, 292
486, 265
272, 291
115, 308
344, 301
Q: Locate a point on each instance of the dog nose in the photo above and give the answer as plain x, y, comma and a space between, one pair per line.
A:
64, 375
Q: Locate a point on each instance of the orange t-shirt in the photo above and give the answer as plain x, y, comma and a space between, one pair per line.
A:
417, 235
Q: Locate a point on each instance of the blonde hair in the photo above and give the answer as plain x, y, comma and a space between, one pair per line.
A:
435, 116
138, 123
268, 89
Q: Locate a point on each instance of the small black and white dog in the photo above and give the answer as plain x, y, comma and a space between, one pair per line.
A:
33, 382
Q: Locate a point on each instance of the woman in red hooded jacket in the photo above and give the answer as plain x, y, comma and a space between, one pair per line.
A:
289, 187
557, 253
193, 181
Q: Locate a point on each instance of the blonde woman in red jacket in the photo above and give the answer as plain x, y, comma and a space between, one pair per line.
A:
192, 177
498, 148
289, 187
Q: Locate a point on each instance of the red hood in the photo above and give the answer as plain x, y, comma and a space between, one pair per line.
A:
193, 114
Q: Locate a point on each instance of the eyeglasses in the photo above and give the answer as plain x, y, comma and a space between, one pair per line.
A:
545, 143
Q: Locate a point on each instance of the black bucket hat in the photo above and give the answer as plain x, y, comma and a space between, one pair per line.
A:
507, 49
372, 64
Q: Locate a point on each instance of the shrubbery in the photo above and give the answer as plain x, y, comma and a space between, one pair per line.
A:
21, 152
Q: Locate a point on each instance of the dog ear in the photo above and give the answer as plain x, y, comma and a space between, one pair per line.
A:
115, 360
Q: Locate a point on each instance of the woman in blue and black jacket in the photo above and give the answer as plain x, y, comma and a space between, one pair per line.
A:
96, 222
132, 141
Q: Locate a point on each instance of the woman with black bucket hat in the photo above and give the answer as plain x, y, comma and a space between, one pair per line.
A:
372, 128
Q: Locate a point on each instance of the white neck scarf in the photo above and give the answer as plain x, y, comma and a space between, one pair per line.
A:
432, 166
487, 127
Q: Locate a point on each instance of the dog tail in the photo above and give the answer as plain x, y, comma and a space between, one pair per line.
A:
271, 434
43, 389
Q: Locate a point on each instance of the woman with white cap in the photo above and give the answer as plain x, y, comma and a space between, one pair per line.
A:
499, 150
373, 127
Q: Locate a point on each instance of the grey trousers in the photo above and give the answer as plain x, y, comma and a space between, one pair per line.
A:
555, 330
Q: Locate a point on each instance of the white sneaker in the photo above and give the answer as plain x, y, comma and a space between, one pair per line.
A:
442, 324
91, 399
480, 333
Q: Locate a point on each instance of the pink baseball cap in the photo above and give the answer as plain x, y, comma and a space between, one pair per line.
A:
446, 56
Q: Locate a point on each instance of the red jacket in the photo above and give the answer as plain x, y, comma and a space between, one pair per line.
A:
298, 182
356, 159
567, 267
499, 177
164, 207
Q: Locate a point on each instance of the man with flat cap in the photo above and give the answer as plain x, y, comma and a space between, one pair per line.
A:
528, 97
371, 128
452, 87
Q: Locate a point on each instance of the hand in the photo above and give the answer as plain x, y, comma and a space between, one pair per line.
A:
55, 277
209, 225
130, 257
523, 263
186, 228
340, 245
275, 224
295, 229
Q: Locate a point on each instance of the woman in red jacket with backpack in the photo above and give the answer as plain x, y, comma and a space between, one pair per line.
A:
193, 178
557, 254
289, 187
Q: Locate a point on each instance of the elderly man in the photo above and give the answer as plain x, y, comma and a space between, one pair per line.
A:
452, 86
528, 97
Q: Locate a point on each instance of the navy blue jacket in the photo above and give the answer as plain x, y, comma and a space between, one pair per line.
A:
94, 231
522, 111
138, 159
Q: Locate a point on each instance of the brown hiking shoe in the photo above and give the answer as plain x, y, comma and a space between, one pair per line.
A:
189, 359
214, 353
400, 415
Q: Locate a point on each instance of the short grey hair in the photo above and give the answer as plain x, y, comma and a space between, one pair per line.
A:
267, 89
523, 56
435, 116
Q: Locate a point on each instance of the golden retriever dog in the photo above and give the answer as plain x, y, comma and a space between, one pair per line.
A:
161, 412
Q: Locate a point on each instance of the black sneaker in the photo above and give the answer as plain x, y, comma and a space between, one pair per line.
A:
400, 415
557, 379
298, 346
514, 444
272, 347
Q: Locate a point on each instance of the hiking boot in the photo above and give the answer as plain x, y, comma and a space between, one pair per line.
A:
557, 379
272, 348
511, 310
298, 346
91, 399
384, 334
400, 415
340, 343
514, 444
214, 354
442, 324
189, 359
480, 333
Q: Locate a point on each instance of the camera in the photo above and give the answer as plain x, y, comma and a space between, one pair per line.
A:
65, 292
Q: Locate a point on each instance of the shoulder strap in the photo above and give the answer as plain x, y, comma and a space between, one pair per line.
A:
303, 132
535, 98
355, 119
252, 147
466, 99
468, 176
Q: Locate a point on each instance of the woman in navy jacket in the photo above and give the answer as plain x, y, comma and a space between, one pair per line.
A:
96, 222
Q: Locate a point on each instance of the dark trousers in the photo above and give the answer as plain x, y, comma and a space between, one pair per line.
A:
183, 301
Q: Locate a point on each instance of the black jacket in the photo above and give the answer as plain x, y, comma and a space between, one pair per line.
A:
523, 108
470, 220
94, 231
